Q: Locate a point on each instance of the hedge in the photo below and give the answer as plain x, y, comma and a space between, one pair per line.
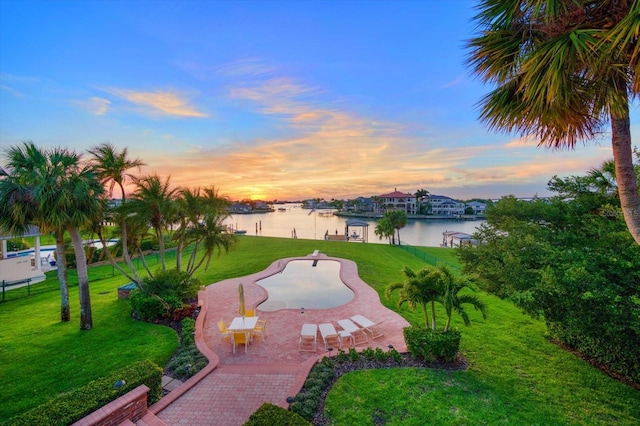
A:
74, 405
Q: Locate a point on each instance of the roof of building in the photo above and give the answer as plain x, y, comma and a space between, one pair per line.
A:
396, 194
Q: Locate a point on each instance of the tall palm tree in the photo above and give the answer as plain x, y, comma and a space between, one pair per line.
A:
209, 231
421, 288
398, 219
27, 165
153, 201
112, 168
54, 190
563, 70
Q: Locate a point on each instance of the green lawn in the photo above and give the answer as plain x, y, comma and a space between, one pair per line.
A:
515, 376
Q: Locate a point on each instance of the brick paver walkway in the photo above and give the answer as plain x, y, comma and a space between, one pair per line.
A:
233, 386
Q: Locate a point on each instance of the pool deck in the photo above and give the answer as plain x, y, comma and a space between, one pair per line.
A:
233, 386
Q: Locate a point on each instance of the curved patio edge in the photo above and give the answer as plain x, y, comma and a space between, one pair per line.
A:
213, 358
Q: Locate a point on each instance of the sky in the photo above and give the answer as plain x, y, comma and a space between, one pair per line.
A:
271, 100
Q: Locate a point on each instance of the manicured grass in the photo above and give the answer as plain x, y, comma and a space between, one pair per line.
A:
515, 375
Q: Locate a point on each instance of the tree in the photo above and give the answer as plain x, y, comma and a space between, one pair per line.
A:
398, 220
153, 203
111, 167
452, 300
570, 260
54, 190
563, 70
385, 229
421, 194
202, 214
422, 288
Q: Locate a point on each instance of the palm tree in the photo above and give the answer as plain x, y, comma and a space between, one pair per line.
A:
385, 229
452, 300
563, 70
420, 195
26, 166
153, 201
111, 167
604, 178
209, 231
398, 219
422, 288
52, 189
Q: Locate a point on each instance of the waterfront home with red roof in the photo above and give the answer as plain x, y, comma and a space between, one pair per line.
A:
396, 200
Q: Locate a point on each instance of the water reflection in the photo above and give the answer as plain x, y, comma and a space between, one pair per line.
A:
302, 285
314, 226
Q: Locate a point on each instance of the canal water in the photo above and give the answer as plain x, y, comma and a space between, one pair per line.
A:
292, 221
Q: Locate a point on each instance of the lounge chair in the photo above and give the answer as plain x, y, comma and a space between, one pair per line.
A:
356, 331
308, 337
240, 337
224, 333
329, 335
374, 328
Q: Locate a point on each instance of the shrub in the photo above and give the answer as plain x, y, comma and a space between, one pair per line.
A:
307, 400
74, 405
150, 307
188, 360
269, 414
172, 283
432, 344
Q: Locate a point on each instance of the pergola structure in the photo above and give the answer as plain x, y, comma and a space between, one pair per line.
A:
354, 236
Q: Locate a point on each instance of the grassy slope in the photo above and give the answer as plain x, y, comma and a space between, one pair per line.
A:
514, 372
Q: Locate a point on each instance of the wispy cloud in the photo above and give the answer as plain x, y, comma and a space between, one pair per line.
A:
14, 92
159, 102
246, 67
96, 105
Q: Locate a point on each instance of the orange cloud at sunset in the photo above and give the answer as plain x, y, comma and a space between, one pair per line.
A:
158, 102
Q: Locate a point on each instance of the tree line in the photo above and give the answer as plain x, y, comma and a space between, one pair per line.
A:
64, 194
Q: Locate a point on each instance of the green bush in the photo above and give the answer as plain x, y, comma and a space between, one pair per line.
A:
306, 401
151, 307
72, 406
269, 414
172, 283
432, 344
188, 360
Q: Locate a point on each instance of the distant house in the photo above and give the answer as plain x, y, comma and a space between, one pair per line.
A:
395, 200
359, 205
443, 205
477, 206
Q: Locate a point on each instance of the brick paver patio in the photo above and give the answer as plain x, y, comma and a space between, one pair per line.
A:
233, 386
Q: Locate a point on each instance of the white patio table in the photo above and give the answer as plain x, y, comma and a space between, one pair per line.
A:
243, 324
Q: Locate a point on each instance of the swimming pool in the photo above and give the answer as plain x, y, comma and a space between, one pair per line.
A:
303, 285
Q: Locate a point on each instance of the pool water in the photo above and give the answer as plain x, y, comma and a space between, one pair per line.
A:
303, 285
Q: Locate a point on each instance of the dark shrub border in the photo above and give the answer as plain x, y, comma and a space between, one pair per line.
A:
432, 344
78, 403
269, 415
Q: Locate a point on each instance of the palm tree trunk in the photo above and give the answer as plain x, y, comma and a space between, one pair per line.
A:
160, 237
61, 264
433, 315
125, 251
113, 261
86, 317
426, 315
625, 173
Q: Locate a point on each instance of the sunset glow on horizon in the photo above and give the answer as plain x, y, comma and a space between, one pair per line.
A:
270, 100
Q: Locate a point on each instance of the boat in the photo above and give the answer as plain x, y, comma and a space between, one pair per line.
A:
240, 231
282, 209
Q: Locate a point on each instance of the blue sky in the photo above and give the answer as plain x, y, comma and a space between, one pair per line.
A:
270, 99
